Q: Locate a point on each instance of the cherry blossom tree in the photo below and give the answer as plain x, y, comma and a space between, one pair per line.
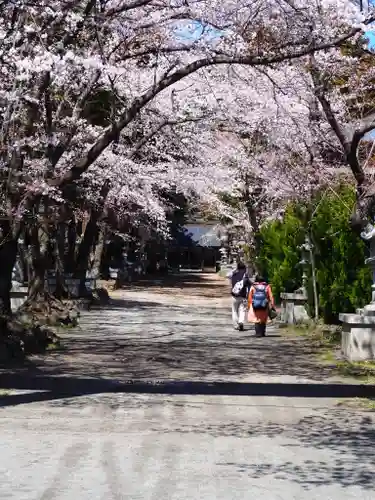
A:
345, 98
59, 59
261, 140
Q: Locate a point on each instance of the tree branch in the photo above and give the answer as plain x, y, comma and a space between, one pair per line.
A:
33, 103
349, 142
157, 129
60, 149
110, 134
158, 50
69, 37
128, 6
367, 124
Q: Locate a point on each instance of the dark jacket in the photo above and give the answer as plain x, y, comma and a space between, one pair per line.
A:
238, 276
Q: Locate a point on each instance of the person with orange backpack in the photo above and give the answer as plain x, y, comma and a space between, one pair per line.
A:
260, 302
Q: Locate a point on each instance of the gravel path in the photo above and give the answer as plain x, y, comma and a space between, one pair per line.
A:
157, 397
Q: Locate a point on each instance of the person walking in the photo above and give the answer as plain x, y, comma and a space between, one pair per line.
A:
260, 301
240, 284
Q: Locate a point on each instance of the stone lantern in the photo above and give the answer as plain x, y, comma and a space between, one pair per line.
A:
294, 305
224, 250
304, 262
225, 268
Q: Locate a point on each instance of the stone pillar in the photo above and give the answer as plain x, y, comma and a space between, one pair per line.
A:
358, 330
358, 337
369, 310
18, 293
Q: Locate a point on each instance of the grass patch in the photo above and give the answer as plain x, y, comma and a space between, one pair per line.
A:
65, 326
55, 346
328, 356
323, 336
358, 403
360, 370
327, 339
295, 330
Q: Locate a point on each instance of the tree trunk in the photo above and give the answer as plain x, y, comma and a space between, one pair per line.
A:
96, 260
364, 210
8, 255
84, 252
41, 305
58, 249
88, 241
38, 262
72, 238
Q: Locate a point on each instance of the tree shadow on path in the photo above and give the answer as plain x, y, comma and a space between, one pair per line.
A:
138, 348
66, 387
200, 284
168, 350
190, 352
346, 438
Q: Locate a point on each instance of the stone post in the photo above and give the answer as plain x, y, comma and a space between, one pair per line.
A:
358, 330
370, 308
18, 293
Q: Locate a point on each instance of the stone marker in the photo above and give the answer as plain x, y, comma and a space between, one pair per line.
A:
358, 335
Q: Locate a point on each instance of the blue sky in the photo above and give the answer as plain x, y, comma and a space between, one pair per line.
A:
371, 37
193, 30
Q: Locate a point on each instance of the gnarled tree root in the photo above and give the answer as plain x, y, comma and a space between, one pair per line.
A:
19, 338
48, 310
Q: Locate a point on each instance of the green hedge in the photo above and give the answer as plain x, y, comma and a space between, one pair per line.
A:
344, 281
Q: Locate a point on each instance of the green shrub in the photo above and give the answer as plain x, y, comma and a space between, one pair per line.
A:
343, 278
279, 257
